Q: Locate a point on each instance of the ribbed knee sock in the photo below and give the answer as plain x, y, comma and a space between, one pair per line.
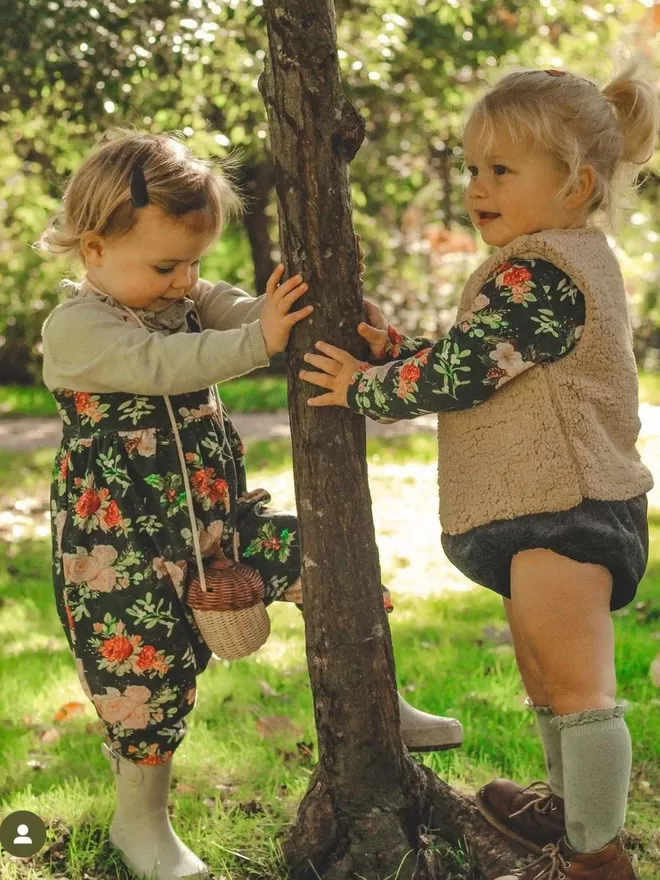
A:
597, 756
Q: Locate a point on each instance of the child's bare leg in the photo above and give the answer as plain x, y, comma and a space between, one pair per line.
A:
562, 611
529, 669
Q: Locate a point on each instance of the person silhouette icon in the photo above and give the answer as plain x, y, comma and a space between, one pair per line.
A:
22, 835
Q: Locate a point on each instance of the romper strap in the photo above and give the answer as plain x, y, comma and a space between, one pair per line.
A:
184, 473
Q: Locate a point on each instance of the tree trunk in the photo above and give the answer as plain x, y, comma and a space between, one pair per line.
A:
256, 181
369, 805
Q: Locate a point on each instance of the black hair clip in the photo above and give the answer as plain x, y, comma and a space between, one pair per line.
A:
139, 194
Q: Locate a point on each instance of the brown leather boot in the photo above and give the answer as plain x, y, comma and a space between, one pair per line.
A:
561, 862
532, 816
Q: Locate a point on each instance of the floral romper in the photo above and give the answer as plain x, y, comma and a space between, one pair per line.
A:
123, 552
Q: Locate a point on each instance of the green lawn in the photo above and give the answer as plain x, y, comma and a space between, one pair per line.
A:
246, 395
258, 393
236, 789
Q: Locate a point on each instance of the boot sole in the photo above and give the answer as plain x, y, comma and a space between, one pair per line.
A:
434, 747
498, 825
153, 874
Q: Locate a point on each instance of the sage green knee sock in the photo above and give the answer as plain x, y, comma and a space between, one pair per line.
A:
597, 755
551, 741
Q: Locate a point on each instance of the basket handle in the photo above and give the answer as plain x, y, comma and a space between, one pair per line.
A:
184, 474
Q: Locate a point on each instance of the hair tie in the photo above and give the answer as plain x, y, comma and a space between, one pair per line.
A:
139, 193
565, 73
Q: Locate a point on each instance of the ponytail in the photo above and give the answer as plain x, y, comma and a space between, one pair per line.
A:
636, 108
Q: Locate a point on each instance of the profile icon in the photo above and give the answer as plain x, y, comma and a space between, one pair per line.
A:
22, 834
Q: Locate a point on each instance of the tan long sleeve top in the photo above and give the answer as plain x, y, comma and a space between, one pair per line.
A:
92, 344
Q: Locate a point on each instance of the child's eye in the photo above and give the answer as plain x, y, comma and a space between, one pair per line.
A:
499, 170
474, 171
164, 270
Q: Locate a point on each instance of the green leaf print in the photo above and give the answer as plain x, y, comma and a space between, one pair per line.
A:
271, 545
216, 449
380, 398
493, 320
449, 365
546, 322
149, 525
62, 413
187, 659
112, 472
149, 615
135, 408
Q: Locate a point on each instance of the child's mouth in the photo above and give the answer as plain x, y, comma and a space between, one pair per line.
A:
485, 217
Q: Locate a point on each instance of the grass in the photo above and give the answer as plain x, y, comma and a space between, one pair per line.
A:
253, 394
236, 790
258, 393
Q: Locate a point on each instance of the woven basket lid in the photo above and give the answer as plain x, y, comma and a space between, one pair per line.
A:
229, 587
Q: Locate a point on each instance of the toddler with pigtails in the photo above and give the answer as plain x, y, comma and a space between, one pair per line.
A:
542, 490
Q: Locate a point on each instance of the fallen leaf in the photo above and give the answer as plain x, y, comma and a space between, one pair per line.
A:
305, 750
655, 671
499, 636
251, 808
226, 788
186, 788
277, 725
69, 711
95, 727
50, 737
266, 689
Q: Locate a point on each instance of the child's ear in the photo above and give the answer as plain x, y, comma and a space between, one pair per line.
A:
582, 189
92, 247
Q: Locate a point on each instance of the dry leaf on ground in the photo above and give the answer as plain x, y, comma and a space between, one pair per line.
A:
266, 689
655, 671
49, 737
69, 711
277, 725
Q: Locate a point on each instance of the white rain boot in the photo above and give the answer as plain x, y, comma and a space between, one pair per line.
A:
422, 732
141, 829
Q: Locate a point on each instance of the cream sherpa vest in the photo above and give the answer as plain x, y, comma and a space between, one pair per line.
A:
560, 432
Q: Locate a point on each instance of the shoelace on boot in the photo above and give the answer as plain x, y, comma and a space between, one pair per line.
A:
551, 864
544, 803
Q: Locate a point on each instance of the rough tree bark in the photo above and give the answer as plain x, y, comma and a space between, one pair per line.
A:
369, 805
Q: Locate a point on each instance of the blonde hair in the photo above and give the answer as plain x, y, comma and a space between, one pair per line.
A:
614, 130
98, 196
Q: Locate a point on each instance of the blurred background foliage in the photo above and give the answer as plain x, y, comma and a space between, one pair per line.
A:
70, 69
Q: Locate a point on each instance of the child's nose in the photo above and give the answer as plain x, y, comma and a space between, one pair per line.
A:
477, 187
183, 278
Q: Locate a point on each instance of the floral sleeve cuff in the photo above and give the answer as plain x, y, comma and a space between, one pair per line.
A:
398, 346
363, 380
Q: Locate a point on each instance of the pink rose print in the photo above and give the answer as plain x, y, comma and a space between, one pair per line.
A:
94, 569
129, 709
